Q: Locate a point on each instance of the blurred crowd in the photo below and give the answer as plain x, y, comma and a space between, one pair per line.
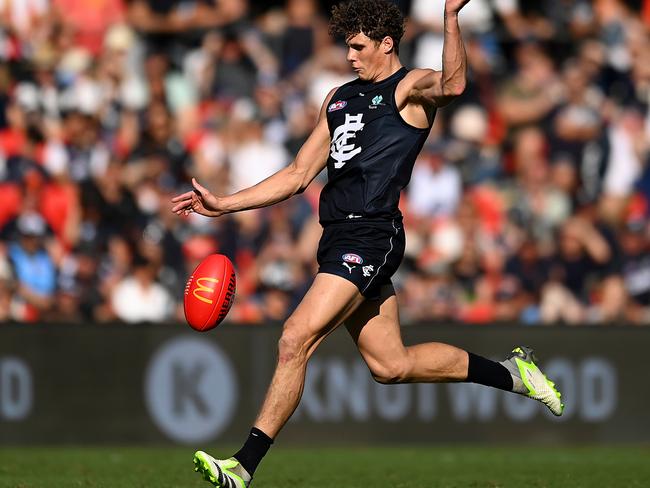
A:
529, 202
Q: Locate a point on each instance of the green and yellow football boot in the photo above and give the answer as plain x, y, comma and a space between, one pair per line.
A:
528, 380
222, 473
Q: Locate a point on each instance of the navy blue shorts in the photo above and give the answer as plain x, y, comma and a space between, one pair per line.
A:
366, 253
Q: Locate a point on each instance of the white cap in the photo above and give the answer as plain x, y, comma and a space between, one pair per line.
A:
31, 224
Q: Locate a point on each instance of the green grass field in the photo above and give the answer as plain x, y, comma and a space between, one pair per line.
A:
346, 468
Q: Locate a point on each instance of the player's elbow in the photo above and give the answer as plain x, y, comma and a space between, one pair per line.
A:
449, 91
455, 89
305, 180
302, 187
297, 180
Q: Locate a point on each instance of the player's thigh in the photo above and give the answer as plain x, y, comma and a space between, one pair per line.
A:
327, 303
375, 329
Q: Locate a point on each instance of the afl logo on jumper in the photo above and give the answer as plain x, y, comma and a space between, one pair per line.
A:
352, 258
341, 149
337, 106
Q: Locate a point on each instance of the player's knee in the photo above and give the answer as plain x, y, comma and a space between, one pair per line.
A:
290, 348
292, 345
390, 372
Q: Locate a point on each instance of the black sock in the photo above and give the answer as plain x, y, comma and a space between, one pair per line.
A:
253, 450
489, 373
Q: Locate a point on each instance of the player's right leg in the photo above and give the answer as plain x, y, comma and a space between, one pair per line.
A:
329, 301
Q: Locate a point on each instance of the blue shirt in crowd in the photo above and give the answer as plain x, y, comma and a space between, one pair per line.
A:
36, 271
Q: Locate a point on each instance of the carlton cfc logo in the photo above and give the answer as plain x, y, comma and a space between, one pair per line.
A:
343, 147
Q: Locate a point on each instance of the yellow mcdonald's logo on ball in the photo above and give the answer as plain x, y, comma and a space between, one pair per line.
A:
200, 287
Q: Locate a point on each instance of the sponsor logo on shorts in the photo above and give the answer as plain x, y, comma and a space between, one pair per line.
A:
338, 105
352, 258
350, 268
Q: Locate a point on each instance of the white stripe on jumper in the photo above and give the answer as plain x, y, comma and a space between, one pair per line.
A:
385, 258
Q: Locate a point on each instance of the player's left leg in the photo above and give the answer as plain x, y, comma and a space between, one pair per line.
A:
375, 328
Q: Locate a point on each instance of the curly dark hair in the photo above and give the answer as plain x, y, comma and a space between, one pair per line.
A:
375, 18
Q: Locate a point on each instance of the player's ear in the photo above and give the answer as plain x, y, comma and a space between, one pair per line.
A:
387, 45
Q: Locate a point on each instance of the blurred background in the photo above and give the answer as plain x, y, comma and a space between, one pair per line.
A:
529, 206
529, 203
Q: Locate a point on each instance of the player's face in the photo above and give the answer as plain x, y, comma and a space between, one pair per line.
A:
365, 55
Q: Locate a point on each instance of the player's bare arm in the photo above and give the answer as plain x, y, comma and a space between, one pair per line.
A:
292, 179
430, 89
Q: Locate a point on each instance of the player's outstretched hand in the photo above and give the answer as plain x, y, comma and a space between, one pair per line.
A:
454, 6
199, 201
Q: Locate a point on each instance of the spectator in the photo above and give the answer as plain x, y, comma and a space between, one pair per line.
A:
582, 254
436, 186
88, 22
531, 94
535, 202
303, 34
34, 267
530, 270
579, 120
627, 136
79, 295
7, 289
251, 158
139, 298
635, 264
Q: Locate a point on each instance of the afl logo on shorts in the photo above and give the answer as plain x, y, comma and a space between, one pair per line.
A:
337, 106
352, 258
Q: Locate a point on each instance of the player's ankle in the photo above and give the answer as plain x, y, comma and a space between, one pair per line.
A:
489, 373
253, 450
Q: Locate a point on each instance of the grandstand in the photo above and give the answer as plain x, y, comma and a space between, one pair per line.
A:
529, 203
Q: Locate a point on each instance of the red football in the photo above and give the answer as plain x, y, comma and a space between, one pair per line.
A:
209, 292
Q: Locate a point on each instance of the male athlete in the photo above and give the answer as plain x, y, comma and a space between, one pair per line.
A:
368, 135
